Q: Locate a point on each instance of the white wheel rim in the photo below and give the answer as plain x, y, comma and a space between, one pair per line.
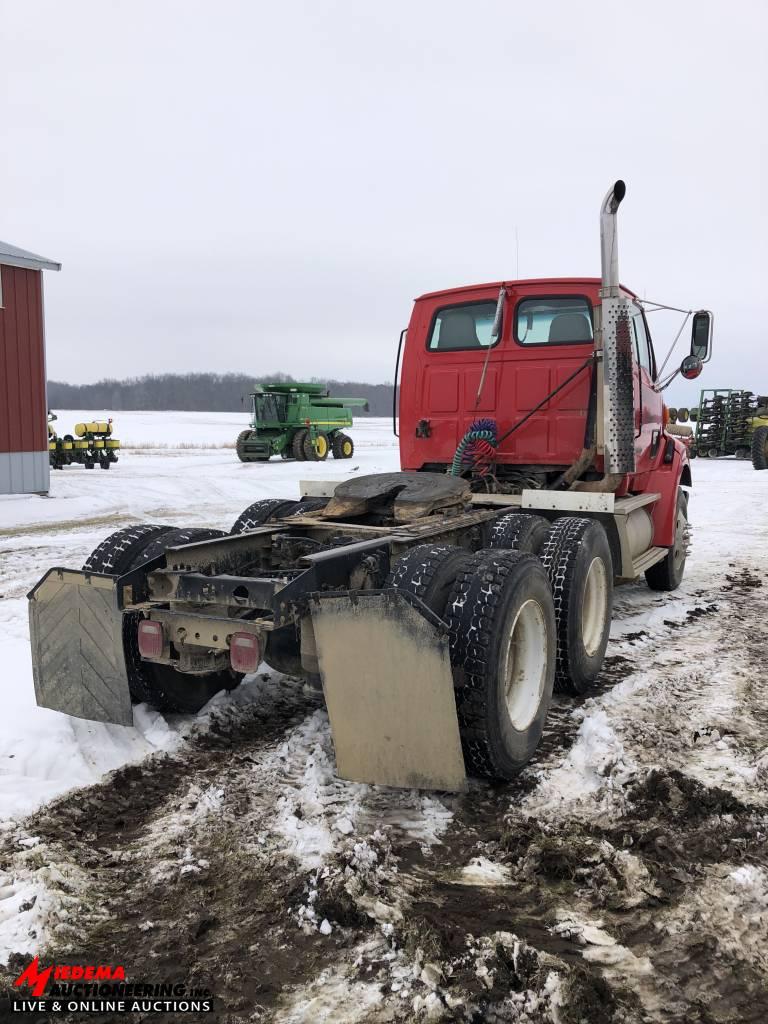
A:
525, 665
594, 607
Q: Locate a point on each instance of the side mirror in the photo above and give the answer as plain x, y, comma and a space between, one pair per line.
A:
701, 336
691, 367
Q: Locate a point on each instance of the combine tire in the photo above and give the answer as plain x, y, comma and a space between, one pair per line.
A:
116, 553
668, 573
502, 636
174, 539
428, 572
242, 437
297, 445
760, 448
520, 532
577, 559
316, 450
260, 512
342, 446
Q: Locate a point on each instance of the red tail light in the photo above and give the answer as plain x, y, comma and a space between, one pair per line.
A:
244, 652
151, 639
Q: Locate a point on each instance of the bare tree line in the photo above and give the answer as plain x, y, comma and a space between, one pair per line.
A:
197, 392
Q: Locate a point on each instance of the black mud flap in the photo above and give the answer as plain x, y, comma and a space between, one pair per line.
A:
76, 632
388, 686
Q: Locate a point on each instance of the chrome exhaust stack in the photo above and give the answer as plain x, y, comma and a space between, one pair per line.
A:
609, 239
614, 337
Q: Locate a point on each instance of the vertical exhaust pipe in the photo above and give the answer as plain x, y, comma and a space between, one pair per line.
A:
613, 350
609, 240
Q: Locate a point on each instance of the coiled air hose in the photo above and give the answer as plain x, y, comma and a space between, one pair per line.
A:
477, 446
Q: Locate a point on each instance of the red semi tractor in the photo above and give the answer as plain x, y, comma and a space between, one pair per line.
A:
438, 606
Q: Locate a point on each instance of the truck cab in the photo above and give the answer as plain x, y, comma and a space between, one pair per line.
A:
547, 333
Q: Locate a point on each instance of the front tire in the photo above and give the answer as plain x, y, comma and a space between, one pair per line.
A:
242, 437
760, 448
577, 558
668, 573
502, 641
316, 449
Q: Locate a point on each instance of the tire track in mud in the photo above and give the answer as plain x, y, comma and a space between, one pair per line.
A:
640, 871
176, 869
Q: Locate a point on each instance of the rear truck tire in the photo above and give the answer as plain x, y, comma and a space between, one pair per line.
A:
342, 446
260, 512
760, 447
297, 445
714, 453
161, 685
173, 539
242, 437
501, 620
316, 449
305, 507
742, 453
577, 558
519, 532
116, 553
428, 572
668, 573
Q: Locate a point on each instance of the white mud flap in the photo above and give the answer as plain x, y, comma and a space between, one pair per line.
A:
389, 690
76, 631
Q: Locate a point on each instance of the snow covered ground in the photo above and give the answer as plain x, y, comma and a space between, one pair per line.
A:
624, 876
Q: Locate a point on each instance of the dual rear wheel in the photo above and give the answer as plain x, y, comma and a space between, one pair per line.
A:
521, 623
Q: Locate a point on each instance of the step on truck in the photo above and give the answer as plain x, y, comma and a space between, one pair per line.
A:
436, 607
297, 421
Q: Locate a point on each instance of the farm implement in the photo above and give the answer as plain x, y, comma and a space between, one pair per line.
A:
730, 422
297, 421
91, 445
436, 607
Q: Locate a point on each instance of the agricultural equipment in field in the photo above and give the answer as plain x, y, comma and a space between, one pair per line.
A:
436, 607
731, 422
299, 421
92, 445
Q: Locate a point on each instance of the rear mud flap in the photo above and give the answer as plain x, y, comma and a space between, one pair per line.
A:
76, 632
389, 690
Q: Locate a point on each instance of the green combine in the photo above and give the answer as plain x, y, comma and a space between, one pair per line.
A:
297, 421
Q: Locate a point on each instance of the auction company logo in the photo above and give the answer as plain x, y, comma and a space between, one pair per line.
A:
100, 989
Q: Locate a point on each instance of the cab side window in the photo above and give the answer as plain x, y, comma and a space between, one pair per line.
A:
643, 349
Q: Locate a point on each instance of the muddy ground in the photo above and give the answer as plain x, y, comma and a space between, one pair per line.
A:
622, 877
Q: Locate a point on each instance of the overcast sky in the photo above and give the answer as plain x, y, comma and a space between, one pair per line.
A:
267, 186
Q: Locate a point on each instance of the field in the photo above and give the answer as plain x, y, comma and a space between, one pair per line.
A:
622, 877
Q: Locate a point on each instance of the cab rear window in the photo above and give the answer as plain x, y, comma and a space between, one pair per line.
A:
563, 320
462, 327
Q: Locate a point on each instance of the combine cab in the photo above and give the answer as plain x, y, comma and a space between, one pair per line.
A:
437, 607
297, 421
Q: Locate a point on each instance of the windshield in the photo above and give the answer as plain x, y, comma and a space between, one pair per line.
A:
269, 407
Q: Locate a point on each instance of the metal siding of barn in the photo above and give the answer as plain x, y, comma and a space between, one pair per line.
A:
23, 410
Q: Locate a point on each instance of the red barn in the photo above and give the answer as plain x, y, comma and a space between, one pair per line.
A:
23, 404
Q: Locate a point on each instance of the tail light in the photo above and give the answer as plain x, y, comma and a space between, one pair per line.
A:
151, 639
244, 652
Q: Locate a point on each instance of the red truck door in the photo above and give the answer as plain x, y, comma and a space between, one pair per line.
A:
648, 413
